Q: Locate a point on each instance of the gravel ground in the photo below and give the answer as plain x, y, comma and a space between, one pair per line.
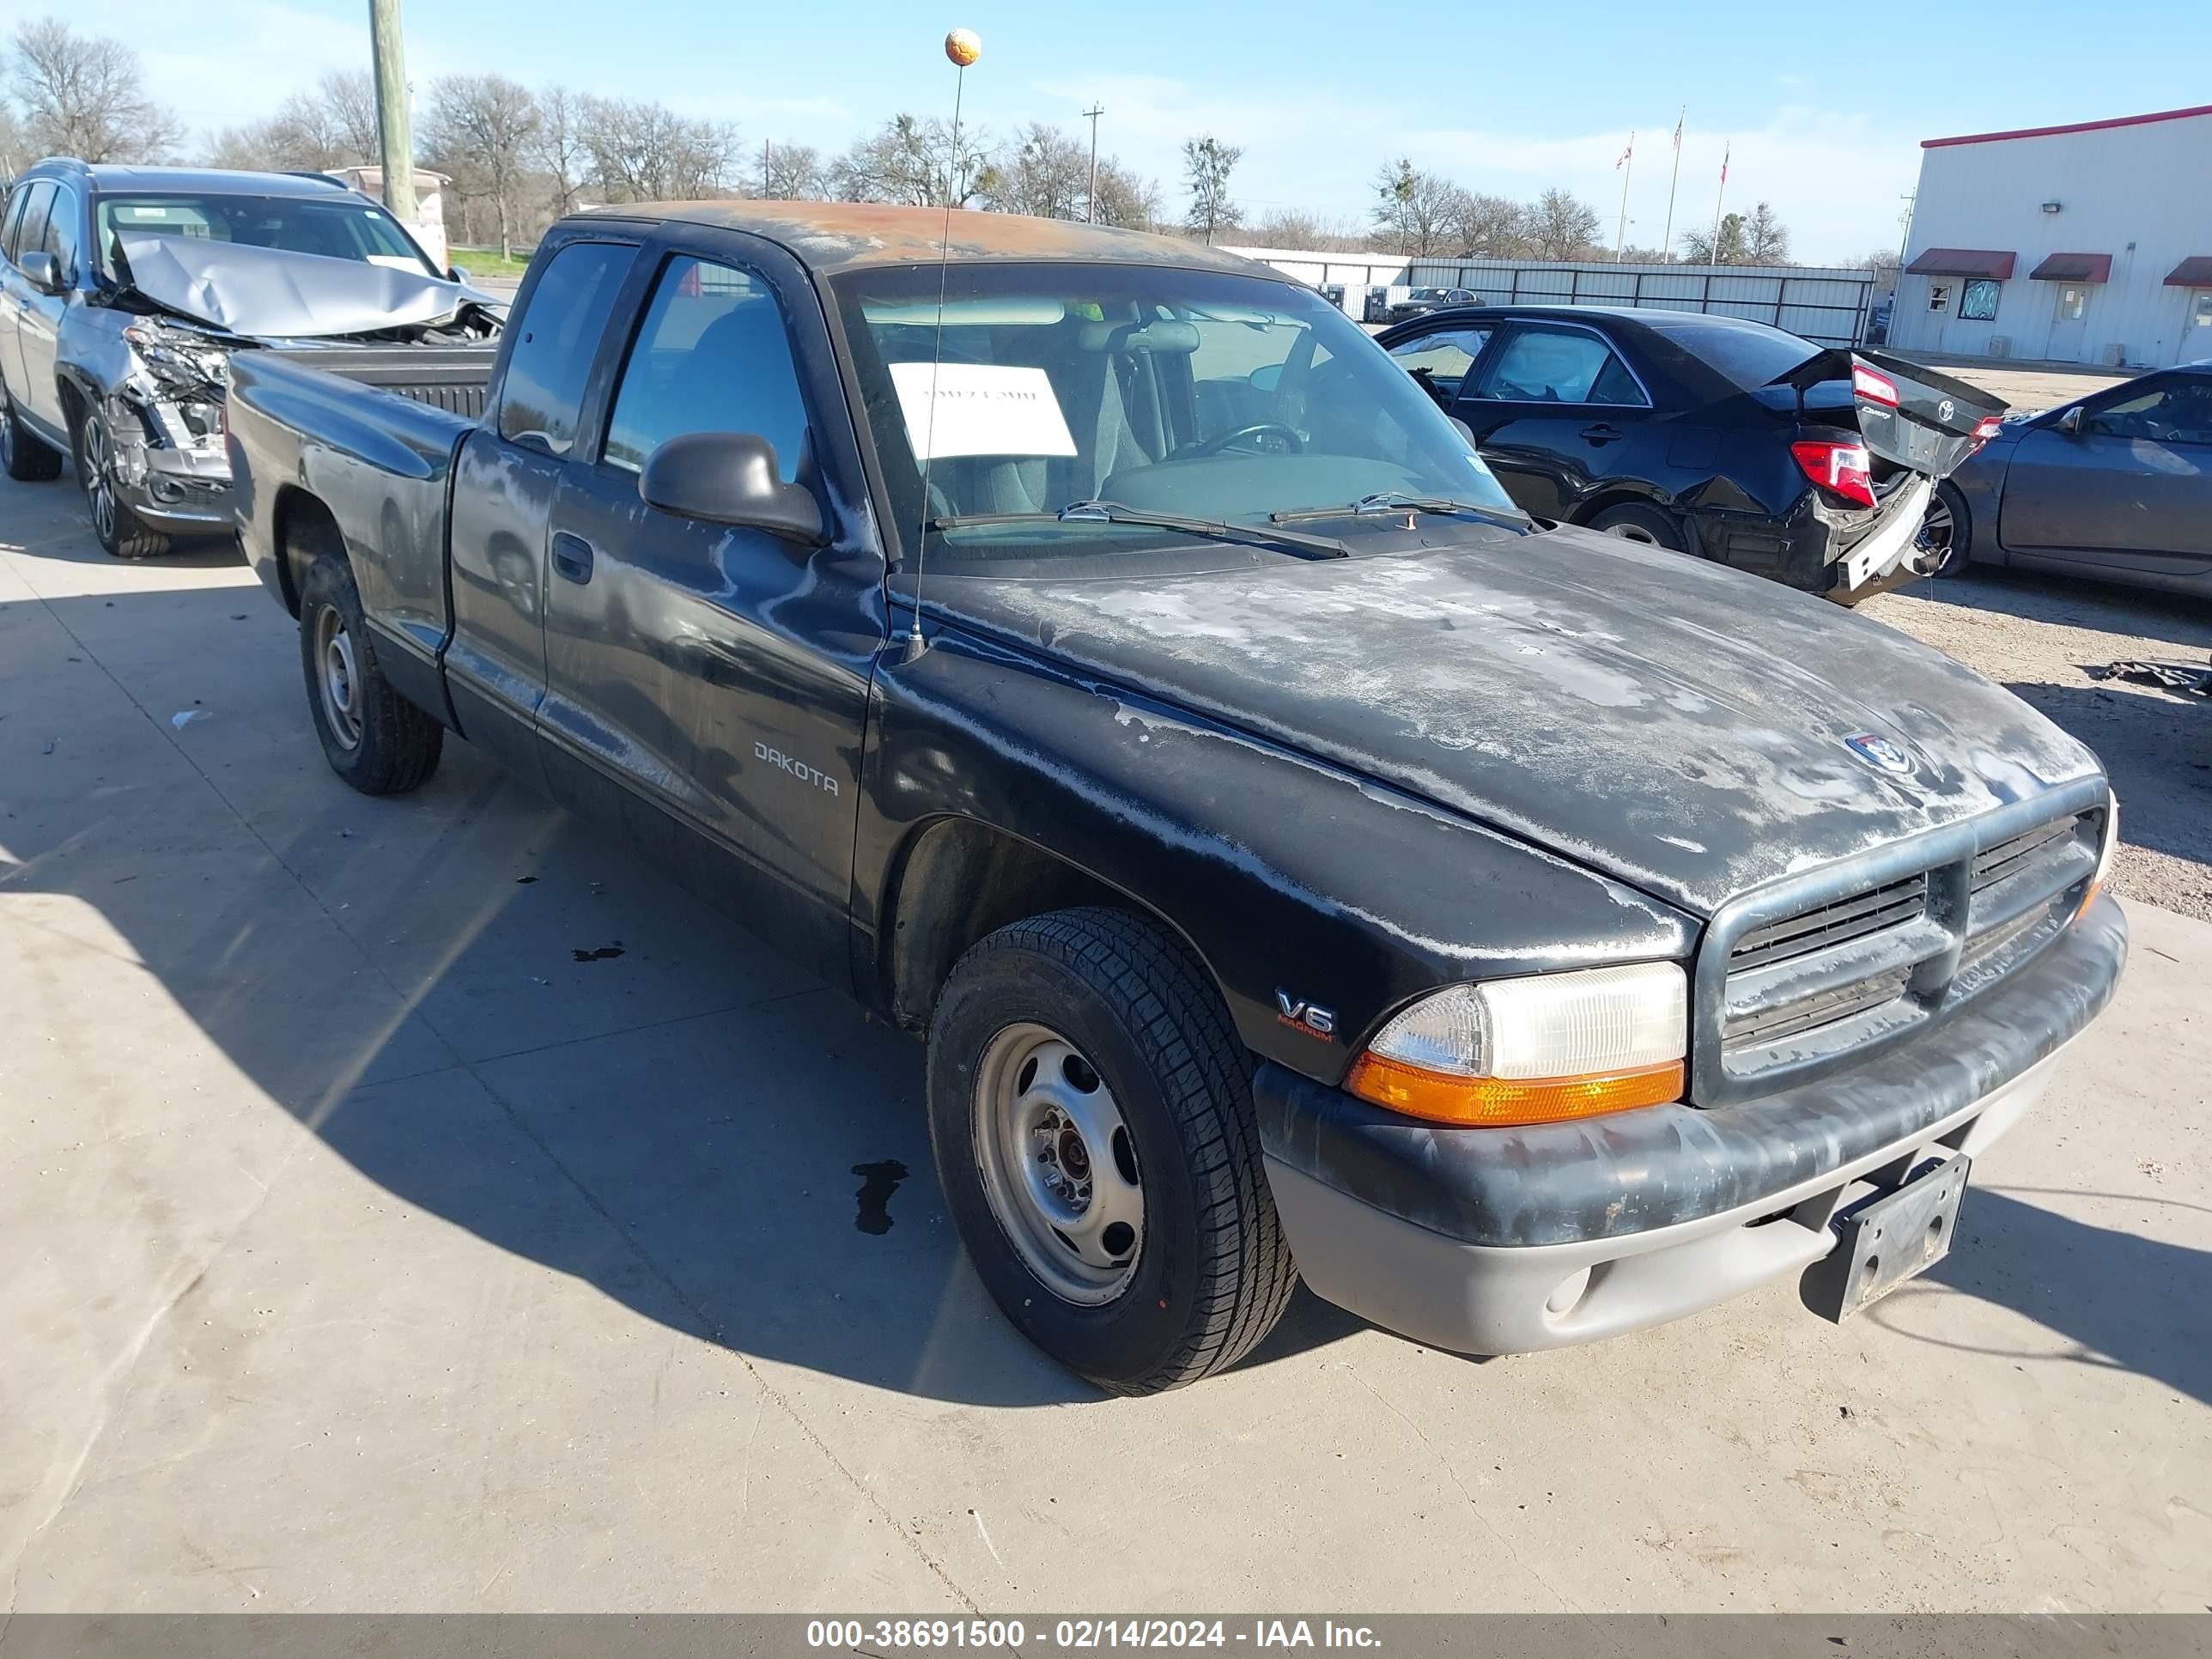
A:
2039, 636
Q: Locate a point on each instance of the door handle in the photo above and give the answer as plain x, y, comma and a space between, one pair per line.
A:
572, 556
1601, 433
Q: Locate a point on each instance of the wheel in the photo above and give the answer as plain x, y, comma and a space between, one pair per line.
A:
119, 532
27, 458
1946, 532
1091, 1114
1633, 521
373, 738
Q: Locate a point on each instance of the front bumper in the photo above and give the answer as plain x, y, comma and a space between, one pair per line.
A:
1511, 1241
180, 483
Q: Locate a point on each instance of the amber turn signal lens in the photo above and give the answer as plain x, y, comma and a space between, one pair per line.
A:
1500, 1103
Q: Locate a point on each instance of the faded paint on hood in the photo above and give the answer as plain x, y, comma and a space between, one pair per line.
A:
277, 293
1666, 721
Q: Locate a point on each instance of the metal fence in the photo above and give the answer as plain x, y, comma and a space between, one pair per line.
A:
1825, 304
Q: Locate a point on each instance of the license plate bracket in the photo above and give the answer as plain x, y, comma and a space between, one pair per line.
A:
1886, 1239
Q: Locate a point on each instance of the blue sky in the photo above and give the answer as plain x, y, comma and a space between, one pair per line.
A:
1824, 105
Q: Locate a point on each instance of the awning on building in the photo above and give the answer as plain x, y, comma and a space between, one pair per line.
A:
2195, 272
1962, 262
2074, 267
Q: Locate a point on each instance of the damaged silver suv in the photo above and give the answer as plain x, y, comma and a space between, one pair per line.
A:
124, 292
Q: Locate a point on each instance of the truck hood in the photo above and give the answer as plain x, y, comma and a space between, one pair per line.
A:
272, 292
1681, 726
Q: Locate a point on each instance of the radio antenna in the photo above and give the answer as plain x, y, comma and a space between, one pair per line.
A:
964, 47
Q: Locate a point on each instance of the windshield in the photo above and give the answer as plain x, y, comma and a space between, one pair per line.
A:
338, 228
1200, 394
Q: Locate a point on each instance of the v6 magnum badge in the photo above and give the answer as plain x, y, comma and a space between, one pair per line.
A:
1310, 1017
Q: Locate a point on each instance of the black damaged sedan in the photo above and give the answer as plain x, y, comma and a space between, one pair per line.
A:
1714, 435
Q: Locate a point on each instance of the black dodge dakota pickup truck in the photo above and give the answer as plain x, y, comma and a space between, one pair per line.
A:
1093, 651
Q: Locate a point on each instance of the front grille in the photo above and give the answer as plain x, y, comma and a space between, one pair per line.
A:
1797, 988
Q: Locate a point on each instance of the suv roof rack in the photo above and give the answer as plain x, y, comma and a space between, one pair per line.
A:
320, 178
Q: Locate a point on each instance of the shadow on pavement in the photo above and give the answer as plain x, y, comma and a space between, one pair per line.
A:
2133, 1301
2049, 598
2157, 749
500, 1018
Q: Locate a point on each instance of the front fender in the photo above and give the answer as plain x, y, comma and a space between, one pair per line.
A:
1283, 875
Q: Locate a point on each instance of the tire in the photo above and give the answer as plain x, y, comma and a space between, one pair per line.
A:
1633, 521
1101, 1011
373, 738
1947, 526
26, 458
119, 532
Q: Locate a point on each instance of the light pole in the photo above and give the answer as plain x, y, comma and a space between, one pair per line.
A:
395, 143
1090, 197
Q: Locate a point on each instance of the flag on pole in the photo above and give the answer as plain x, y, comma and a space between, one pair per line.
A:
1725, 154
1678, 119
1625, 154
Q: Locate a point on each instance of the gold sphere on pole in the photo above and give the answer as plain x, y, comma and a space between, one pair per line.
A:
963, 46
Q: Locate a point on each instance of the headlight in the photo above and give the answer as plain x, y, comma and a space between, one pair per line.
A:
1533, 1050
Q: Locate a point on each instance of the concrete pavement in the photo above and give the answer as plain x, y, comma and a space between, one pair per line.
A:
360, 1248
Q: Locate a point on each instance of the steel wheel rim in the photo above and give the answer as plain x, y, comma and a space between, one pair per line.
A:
99, 489
1059, 1166
339, 677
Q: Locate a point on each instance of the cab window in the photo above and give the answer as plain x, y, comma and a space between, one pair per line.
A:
712, 354
61, 236
555, 337
28, 229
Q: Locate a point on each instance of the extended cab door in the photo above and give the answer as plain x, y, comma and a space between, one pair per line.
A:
1554, 409
504, 482
707, 684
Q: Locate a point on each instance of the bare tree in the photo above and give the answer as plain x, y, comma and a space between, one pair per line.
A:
1415, 210
793, 172
1560, 226
1207, 162
85, 95
1125, 198
562, 151
14, 148
350, 96
1042, 172
923, 163
1705, 247
644, 151
1765, 238
1489, 227
1882, 262
482, 129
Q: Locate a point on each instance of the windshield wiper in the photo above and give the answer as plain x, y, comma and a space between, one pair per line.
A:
1219, 530
1398, 501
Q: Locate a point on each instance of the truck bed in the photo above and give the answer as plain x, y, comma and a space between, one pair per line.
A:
449, 378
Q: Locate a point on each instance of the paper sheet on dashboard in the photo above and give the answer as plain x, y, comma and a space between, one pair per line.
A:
981, 409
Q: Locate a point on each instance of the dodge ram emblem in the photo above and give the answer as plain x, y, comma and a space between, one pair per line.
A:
1879, 751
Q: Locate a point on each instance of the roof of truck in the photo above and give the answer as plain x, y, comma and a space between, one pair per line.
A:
833, 236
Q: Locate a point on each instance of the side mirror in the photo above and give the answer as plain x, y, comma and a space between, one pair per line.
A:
2069, 422
41, 271
730, 478
457, 273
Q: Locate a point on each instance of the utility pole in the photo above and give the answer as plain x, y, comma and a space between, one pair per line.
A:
395, 142
1090, 197
765, 148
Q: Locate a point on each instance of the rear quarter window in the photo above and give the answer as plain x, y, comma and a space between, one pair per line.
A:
558, 335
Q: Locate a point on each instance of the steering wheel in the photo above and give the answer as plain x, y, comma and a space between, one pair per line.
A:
1215, 446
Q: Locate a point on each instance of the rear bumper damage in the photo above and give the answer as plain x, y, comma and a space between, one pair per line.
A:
1844, 554
1511, 1241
